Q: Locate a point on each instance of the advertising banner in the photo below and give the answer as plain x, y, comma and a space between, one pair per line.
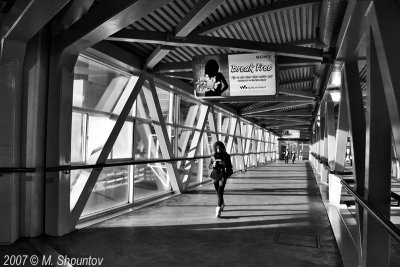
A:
234, 75
252, 74
290, 134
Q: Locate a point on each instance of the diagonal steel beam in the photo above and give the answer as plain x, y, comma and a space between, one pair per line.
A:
158, 54
385, 21
162, 38
196, 16
103, 20
271, 8
162, 134
26, 18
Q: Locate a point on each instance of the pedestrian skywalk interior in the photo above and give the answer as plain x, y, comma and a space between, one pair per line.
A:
110, 108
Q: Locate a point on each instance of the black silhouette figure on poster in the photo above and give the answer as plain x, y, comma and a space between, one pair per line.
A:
213, 83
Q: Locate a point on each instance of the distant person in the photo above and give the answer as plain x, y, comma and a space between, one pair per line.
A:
216, 83
222, 169
286, 156
293, 156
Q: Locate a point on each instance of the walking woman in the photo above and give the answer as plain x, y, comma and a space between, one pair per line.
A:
221, 166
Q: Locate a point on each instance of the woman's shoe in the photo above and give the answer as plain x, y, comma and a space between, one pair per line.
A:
217, 212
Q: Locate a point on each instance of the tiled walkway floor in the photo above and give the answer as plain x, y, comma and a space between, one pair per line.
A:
274, 217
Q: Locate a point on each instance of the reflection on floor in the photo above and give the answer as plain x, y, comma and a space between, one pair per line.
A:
274, 216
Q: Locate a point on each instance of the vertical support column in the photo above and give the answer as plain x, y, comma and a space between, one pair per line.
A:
58, 145
33, 134
376, 246
11, 64
330, 141
352, 88
321, 152
335, 187
385, 24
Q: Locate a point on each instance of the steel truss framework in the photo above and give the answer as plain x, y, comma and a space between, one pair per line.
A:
227, 129
371, 129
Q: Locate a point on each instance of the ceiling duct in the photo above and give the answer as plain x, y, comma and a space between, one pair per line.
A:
332, 12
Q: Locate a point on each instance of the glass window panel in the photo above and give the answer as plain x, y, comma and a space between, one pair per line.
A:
225, 123
206, 171
78, 137
146, 142
99, 129
123, 145
142, 110
165, 97
111, 190
195, 172
97, 86
188, 112
185, 137
150, 179
207, 144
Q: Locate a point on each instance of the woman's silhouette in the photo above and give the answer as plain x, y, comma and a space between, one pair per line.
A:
216, 84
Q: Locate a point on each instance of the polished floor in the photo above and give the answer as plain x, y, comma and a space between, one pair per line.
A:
274, 216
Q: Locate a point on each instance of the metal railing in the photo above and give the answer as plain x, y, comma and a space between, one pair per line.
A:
383, 220
116, 164
389, 226
16, 170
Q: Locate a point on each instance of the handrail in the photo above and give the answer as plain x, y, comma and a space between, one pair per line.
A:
392, 229
124, 163
330, 170
16, 170
116, 164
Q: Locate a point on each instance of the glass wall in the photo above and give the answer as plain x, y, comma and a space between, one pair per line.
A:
185, 130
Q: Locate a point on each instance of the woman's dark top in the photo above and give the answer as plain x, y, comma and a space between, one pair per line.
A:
228, 163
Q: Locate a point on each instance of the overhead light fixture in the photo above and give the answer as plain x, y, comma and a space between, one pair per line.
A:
335, 94
335, 80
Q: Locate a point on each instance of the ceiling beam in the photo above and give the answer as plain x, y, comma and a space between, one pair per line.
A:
279, 119
273, 7
196, 16
274, 107
164, 38
158, 54
103, 20
283, 68
297, 81
26, 18
299, 93
120, 54
288, 125
283, 62
241, 99
255, 105
296, 62
282, 114
180, 75
173, 67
